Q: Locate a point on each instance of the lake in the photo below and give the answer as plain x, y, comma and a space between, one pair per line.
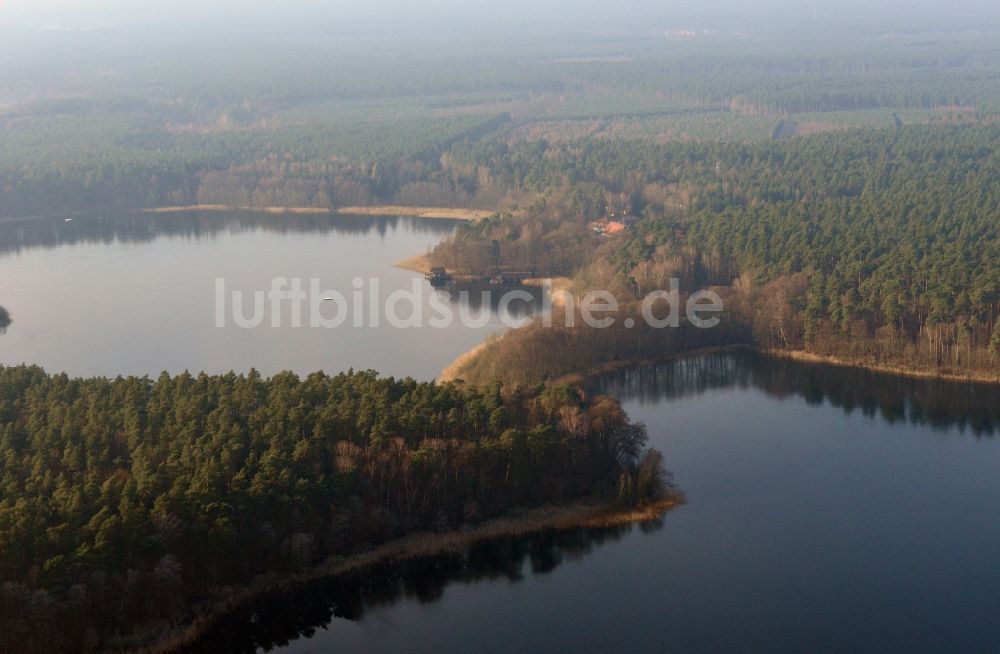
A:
137, 294
828, 510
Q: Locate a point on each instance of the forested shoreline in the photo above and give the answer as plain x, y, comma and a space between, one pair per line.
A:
397, 561
843, 200
877, 247
327, 127
126, 500
842, 196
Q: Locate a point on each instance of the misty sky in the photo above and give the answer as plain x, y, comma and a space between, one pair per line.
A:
70, 13
466, 19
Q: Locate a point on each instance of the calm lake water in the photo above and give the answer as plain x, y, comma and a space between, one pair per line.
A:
829, 510
136, 294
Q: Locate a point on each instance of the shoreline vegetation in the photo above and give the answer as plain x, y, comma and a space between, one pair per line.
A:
460, 367
419, 263
492, 359
595, 515
943, 374
455, 370
441, 213
130, 502
433, 213
206, 483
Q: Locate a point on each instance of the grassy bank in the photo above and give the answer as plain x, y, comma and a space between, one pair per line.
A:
454, 370
467, 361
581, 515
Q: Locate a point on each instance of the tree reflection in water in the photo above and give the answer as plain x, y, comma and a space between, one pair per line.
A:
298, 611
137, 228
893, 399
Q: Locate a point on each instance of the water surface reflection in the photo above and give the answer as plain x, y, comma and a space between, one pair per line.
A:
302, 610
137, 294
137, 228
893, 399
828, 510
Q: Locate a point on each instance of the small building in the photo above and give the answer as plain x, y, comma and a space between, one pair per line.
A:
613, 224
439, 276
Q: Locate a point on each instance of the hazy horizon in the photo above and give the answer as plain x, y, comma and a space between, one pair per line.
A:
285, 18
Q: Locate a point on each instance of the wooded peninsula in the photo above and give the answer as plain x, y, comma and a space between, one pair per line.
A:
840, 192
128, 502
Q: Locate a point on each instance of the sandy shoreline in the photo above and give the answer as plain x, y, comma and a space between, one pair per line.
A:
419, 263
579, 515
444, 213
454, 369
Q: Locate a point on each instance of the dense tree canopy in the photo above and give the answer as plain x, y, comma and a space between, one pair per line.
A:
310, 126
122, 499
874, 243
